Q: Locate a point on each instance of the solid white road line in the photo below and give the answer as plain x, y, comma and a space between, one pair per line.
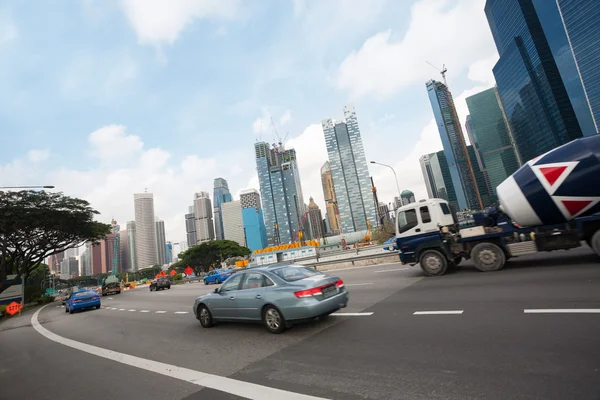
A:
145, 311
181, 312
441, 312
358, 284
563, 311
227, 385
391, 270
351, 314
160, 312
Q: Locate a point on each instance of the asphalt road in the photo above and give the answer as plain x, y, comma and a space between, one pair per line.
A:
471, 338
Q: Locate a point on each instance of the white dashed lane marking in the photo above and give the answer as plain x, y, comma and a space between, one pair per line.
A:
563, 311
160, 312
181, 312
351, 314
441, 312
145, 311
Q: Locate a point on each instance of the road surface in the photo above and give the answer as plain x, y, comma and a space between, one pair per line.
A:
530, 331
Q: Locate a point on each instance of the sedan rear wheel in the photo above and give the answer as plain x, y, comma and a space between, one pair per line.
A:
273, 320
205, 316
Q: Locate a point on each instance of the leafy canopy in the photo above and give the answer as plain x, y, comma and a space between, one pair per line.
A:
209, 254
38, 224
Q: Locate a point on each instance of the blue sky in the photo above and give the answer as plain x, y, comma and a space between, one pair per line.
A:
104, 98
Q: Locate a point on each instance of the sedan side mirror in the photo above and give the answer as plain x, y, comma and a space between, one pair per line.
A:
216, 290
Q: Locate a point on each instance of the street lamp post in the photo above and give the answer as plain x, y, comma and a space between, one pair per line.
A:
28, 187
395, 176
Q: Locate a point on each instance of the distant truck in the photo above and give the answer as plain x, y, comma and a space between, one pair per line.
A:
551, 203
111, 285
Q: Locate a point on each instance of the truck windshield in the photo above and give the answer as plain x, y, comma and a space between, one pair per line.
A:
407, 220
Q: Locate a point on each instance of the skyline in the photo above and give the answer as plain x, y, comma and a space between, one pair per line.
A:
145, 119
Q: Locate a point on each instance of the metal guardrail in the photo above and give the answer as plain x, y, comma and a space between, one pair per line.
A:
352, 253
351, 258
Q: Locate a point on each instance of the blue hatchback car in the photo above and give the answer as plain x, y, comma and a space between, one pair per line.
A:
218, 276
81, 300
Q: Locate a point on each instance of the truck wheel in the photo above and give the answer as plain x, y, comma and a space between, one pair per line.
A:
433, 263
488, 257
595, 242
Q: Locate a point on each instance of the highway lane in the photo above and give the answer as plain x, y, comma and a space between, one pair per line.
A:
491, 349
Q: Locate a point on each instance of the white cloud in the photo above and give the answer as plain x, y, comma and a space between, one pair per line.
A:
160, 22
38, 156
384, 66
285, 118
481, 71
8, 29
111, 144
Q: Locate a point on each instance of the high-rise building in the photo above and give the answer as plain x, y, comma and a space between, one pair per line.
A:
161, 242
350, 172
55, 260
221, 195
438, 174
69, 266
203, 210
183, 246
125, 257
580, 20
169, 252
233, 224
95, 258
145, 230
428, 176
281, 192
190, 229
455, 148
530, 83
480, 179
316, 220
407, 197
132, 263
108, 254
329, 195
489, 133
72, 252
384, 214
253, 221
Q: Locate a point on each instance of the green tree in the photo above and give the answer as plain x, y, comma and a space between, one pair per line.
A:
38, 224
208, 254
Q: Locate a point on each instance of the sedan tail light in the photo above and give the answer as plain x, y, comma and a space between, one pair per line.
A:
339, 283
76, 301
95, 297
308, 292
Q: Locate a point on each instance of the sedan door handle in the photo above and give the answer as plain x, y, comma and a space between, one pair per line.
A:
418, 230
232, 298
258, 296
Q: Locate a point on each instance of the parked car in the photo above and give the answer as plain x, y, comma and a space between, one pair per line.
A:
111, 288
81, 300
160, 283
276, 295
218, 276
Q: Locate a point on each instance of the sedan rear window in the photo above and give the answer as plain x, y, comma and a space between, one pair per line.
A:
85, 294
291, 274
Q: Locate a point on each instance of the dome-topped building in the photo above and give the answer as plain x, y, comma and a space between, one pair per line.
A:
407, 197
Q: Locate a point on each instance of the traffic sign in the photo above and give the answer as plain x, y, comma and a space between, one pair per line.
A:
13, 308
173, 272
188, 270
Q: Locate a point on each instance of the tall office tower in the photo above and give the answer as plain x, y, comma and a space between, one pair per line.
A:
125, 257
72, 252
384, 213
69, 266
329, 195
55, 260
480, 180
350, 172
132, 263
580, 20
477, 159
145, 230
191, 238
428, 176
233, 224
455, 148
253, 221
221, 195
489, 132
169, 252
536, 75
205, 229
407, 197
281, 192
183, 246
316, 220
438, 174
161, 242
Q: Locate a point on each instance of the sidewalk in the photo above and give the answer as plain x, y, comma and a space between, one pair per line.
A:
16, 321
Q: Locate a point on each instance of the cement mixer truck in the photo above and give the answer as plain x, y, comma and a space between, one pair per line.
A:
551, 203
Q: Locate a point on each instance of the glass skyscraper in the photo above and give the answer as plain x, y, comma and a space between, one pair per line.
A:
281, 192
534, 96
253, 220
455, 148
490, 134
350, 172
437, 176
221, 195
580, 19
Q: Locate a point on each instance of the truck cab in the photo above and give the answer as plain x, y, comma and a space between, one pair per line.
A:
419, 225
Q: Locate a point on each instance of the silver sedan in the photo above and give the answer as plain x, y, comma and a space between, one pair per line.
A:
276, 295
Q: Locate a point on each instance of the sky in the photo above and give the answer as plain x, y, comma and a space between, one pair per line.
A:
107, 98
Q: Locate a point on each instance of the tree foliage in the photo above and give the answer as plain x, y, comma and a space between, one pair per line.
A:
208, 254
38, 224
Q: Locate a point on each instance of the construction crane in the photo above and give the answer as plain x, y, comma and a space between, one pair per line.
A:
442, 71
